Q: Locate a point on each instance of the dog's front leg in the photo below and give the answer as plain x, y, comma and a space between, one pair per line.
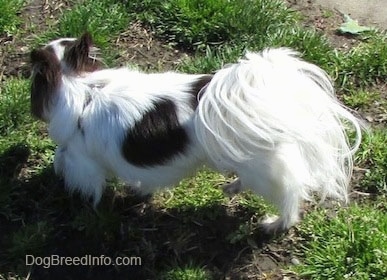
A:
80, 172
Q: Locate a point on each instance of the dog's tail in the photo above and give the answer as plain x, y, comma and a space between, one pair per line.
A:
273, 98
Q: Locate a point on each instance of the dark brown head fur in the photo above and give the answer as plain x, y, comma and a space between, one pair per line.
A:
46, 75
77, 56
50, 63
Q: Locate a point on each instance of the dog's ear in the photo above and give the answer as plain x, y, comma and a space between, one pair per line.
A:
87, 39
78, 57
46, 75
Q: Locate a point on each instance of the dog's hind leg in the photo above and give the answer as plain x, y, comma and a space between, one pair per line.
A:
280, 192
287, 203
279, 177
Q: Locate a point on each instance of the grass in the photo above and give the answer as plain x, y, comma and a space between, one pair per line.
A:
103, 19
373, 156
198, 23
188, 272
177, 231
14, 105
9, 19
347, 244
363, 65
360, 99
184, 196
214, 28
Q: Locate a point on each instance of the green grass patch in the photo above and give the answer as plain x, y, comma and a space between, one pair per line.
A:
212, 60
14, 105
187, 272
312, 46
359, 99
194, 24
254, 204
364, 64
103, 19
200, 25
228, 28
349, 244
373, 156
9, 19
194, 193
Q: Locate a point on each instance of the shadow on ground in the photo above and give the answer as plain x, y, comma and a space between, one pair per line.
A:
41, 219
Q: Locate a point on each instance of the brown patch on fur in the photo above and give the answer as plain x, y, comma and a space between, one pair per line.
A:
197, 87
77, 55
46, 77
157, 137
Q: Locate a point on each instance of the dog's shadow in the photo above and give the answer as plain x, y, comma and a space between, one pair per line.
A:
12, 160
124, 224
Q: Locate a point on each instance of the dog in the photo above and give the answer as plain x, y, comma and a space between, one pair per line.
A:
271, 118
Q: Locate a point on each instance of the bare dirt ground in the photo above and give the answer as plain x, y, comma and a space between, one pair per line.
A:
262, 258
368, 12
324, 20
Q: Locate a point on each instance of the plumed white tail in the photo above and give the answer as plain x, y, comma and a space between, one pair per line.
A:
274, 98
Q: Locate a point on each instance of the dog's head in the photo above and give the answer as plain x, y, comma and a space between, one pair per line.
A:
62, 57
76, 56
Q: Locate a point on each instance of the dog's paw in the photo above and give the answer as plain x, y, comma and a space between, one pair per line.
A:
273, 225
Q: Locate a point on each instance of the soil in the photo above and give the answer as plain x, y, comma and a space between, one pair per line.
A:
370, 13
258, 257
139, 47
323, 20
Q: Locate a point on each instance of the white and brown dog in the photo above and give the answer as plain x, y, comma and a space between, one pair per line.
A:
271, 118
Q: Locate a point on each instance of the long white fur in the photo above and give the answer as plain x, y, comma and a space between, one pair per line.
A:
280, 104
271, 118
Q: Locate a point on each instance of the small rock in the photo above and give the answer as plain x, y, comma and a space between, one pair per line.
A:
295, 261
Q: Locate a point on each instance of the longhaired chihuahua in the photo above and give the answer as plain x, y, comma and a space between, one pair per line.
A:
271, 118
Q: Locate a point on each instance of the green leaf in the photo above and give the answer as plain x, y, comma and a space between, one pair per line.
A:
352, 26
